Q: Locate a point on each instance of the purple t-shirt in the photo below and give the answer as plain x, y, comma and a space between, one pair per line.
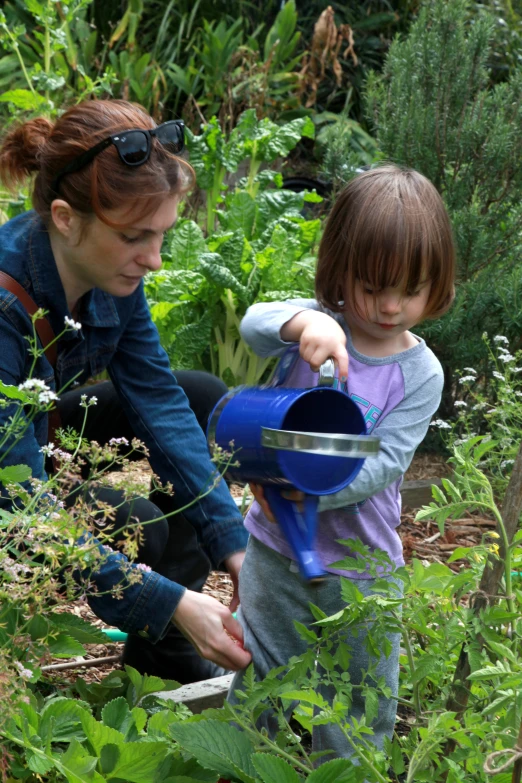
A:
397, 395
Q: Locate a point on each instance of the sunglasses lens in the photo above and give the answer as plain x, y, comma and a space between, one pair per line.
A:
171, 136
133, 147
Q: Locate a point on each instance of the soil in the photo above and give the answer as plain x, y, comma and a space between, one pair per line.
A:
420, 539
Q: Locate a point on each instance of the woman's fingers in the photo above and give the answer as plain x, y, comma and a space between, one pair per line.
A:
213, 631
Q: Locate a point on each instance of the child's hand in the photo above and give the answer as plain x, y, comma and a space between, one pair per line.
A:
320, 337
259, 495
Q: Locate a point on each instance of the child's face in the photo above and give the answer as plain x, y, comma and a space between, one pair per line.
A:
386, 314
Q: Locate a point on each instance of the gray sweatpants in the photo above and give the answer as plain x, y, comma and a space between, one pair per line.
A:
272, 595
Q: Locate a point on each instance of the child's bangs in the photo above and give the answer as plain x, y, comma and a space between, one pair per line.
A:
394, 250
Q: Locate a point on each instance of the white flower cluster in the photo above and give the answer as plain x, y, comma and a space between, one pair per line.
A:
499, 338
39, 388
147, 569
50, 451
461, 404
87, 402
118, 441
498, 376
71, 324
25, 673
441, 424
467, 379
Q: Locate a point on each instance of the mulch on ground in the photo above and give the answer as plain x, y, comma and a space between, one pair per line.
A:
420, 539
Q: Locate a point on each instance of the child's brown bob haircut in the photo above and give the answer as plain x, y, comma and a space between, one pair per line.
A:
388, 228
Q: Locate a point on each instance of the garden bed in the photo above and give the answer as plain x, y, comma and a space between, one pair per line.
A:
420, 539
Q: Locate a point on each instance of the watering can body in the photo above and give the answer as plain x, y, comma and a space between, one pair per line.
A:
313, 440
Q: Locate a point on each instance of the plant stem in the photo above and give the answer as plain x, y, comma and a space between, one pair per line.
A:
409, 653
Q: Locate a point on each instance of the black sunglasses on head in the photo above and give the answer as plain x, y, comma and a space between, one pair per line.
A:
133, 147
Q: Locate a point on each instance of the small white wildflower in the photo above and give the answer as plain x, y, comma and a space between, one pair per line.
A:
499, 338
85, 401
72, 324
486, 438
507, 462
143, 567
461, 404
118, 442
518, 394
516, 370
479, 406
32, 384
46, 397
25, 673
48, 450
467, 379
506, 357
441, 424
498, 375
63, 455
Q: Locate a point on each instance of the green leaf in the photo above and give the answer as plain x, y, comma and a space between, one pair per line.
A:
307, 696
218, 746
109, 757
117, 715
15, 474
23, 99
424, 666
187, 244
240, 213
272, 769
64, 646
144, 685
371, 706
78, 628
397, 760
138, 761
98, 734
13, 392
37, 763
77, 765
61, 721
335, 771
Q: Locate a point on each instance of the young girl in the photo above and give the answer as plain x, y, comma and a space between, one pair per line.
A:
386, 262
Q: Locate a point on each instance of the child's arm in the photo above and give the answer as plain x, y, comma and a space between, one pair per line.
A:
401, 431
270, 327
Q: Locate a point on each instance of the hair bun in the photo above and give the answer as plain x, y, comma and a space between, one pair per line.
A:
21, 150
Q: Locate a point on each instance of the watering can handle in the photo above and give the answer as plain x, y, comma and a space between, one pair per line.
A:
327, 375
299, 530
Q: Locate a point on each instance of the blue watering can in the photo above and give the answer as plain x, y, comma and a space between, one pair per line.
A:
313, 440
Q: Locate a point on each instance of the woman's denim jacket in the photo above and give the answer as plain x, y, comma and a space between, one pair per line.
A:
118, 335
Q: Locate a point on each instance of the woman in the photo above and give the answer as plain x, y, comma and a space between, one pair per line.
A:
107, 188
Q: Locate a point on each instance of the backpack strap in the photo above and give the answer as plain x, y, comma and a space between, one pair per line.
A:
45, 332
43, 327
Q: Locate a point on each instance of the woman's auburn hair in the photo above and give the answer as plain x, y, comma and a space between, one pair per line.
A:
41, 147
388, 228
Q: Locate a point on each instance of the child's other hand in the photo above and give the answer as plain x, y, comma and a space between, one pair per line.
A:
320, 337
258, 493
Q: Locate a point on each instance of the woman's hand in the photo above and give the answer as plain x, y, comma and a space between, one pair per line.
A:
320, 337
209, 626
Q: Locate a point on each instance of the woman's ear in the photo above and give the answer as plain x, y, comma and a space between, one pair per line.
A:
66, 221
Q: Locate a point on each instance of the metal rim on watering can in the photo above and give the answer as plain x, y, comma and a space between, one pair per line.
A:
325, 444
